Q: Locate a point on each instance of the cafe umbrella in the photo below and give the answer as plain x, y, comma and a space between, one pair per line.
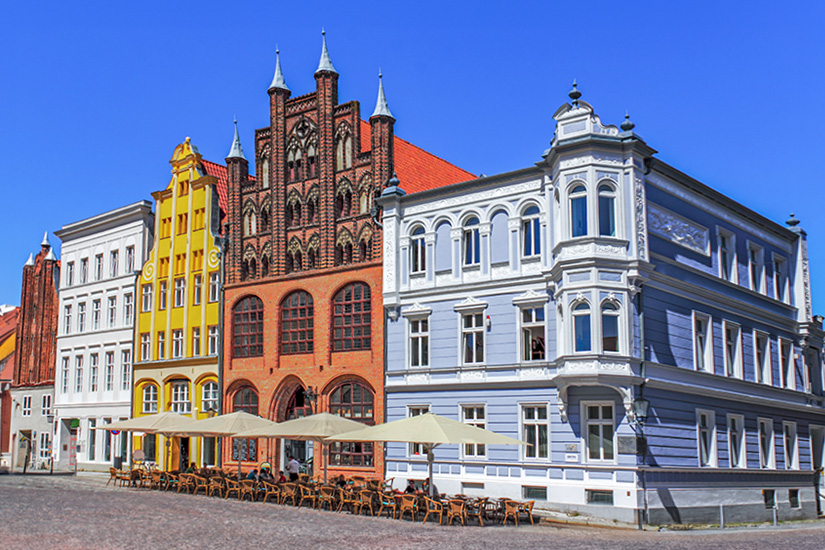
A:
430, 430
165, 423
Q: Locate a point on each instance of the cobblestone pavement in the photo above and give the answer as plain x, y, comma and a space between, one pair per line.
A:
66, 512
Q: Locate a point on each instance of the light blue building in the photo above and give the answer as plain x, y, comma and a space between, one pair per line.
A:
522, 302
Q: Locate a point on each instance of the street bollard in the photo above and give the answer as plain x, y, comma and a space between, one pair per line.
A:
775, 516
721, 516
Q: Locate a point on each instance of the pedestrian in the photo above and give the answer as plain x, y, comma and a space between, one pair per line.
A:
292, 468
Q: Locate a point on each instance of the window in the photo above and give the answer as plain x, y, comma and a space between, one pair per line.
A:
297, 323
727, 255
474, 415
532, 334
67, 320
114, 263
535, 429
791, 446
736, 441
418, 251
162, 297
84, 270
419, 342
98, 267
46, 404
599, 429
150, 398
755, 268
786, 364
183, 223
180, 264
198, 289
177, 343
528, 492
92, 443
531, 232
149, 447
214, 286
213, 340
706, 436
93, 364
130, 259
702, 342
471, 242
472, 335
126, 369
78, 374
127, 309
578, 211
161, 346
607, 210
197, 261
354, 401
766, 455
180, 397
246, 400
761, 358
95, 314
733, 350
248, 328
165, 227
64, 375
581, 327
610, 327
196, 341
210, 397
417, 449
27, 405
70, 274
146, 298
163, 267
81, 317
45, 446
180, 292
352, 310
145, 347
601, 497
112, 311
793, 498
780, 280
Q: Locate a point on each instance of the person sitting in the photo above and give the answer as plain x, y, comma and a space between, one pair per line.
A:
434, 492
340, 481
265, 475
253, 475
411, 488
190, 469
281, 477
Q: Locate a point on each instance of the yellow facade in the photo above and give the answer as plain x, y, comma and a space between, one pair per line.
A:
177, 329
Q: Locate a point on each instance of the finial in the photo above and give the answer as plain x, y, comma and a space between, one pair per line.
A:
627, 125
278, 82
381, 107
45, 241
792, 221
30, 261
236, 151
393, 181
326, 63
187, 139
575, 94
50, 256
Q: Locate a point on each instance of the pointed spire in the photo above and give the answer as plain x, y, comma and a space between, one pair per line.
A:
575, 94
50, 256
30, 261
381, 107
628, 124
278, 82
326, 63
236, 152
46, 240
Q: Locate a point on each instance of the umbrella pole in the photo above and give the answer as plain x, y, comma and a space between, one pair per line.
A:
430, 458
324, 451
168, 444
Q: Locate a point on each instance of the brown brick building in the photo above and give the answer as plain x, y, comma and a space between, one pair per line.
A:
303, 320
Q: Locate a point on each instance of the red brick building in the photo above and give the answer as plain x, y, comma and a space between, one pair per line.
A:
303, 319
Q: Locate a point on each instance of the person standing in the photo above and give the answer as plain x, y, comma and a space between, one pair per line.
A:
293, 467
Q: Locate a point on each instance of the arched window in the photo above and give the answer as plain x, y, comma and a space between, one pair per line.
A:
298, 166
364, 250
343, 152
364, 201
531, 232
150, 399
248, 328
472, 242
297, 261
253, 268
354, 401
290, 166
581, 327
311, 208
265, 173
297, 318
610, 327
343, 204
578, 211
209, 397
418, 251
249, 223
245, 400
351, 320
607, 211
264, 223
311, 162
264, 266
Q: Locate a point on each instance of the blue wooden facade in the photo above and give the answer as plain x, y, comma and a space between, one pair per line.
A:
546, 302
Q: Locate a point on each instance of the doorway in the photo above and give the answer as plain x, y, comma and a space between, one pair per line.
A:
183, 453
297, 407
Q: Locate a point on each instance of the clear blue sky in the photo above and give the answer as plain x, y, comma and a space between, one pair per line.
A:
95, 97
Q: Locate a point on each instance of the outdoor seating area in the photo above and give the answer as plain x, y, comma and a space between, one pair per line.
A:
355, 495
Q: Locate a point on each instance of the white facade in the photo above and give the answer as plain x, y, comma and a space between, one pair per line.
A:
93, 375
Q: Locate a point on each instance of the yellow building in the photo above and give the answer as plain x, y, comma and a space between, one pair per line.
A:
177, 342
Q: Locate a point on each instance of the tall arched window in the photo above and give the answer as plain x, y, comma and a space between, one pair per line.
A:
578, 211
291, 172
249, 223
472, 242
312, 206
150, 399
354, 401
265, 173
209, 397
607, 210
610, 327
351, 320
264, 221
245, 400
530, 232
312, 165
248, 328
581, 327
297, 318
418, 251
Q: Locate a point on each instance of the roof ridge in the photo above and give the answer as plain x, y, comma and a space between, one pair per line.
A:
435, 156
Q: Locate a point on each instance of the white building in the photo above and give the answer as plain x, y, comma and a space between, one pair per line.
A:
93, 375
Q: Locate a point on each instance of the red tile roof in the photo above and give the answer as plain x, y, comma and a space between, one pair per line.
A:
8, 323
218, 171
417, 170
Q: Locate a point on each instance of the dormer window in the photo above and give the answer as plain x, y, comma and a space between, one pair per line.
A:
578, 211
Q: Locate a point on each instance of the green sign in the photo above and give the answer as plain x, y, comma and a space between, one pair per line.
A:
75, 423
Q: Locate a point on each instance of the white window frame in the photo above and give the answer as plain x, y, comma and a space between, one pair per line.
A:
736, 369
114, 263
197, 290
470, 240
125, 369
707, 353
787, 366
149, 399
612, 194
418, 336
180, 292
78, 373
581, 312
713, 453
81, 316
196, 341
417, 450
737, 421
145, 346
94, 364
177, 343
536, 424
181, 402
146, 297
756, 262
98, 267
130, 259
163, 291
780, 278
600, 421
44, 450
576, 195
46, 404
793, 463
763, 371
473, 451
112, 309
69, 273
613, 305
479, 327
731, 265
209, 396
531, 233
525, 331
771, 462
64, 374
213, 335
128, 304
214, 286
84, 270
26, 407
96, 310
109, 381
160, 345
67, 319
418, 250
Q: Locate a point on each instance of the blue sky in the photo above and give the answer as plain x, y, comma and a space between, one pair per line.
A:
95, 97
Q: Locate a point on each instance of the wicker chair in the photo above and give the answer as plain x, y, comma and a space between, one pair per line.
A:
348, 498
248, 487
199, 484
456, 509
409, 503
112, 476
477, 509
289, 491
511, 509
328, 496
270, 491
433, 507
365, 498
216, 485
526, 508
307, 494
232, 486
386, 501
157, 480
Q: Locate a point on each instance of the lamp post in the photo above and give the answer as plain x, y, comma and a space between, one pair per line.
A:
641, 407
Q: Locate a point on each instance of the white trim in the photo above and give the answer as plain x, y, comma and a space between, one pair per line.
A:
713, 452
763, 373
794, 464
470, 304
585, 440
709, 360
735, 370
546, 422
462, 448
760, 421
742, 451
731, 248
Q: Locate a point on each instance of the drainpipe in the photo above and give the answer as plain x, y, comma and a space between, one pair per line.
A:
222, 243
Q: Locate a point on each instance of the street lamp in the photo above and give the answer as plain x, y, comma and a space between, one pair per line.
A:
311, 395
640, 409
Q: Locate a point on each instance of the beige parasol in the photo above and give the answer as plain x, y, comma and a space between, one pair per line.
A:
166, 423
